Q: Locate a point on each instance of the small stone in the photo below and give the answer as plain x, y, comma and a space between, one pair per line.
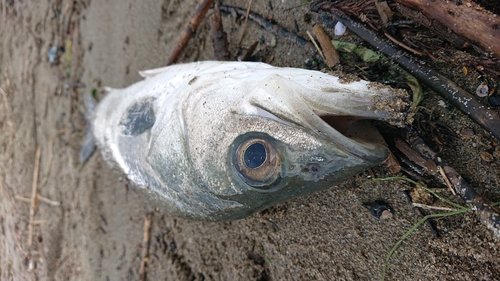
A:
340, 29
380, 210
487, 157
467, 134
272, 42
386, 214
52, 53
482, 91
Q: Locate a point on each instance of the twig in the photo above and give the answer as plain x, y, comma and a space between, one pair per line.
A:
145, 246
412, 155
245, 24
331, 55
433, 207
488, 119
316, 45
41, 199
248, 54
33, 196
189, 31
417, 211
395, 41
483, 31
272, 26
447, 181
48, 201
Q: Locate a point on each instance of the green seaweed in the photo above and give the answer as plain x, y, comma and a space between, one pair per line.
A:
364, 53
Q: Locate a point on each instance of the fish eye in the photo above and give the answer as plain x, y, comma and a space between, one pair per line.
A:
257, 161
255, 155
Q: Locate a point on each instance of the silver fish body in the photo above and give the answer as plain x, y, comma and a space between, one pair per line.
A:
222, 140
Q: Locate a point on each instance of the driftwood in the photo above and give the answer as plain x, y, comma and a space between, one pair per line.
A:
485, 117
467, 20
331, 55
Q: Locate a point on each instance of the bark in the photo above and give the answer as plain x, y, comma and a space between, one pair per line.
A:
467, 19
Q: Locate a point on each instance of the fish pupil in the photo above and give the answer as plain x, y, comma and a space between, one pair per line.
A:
255, 155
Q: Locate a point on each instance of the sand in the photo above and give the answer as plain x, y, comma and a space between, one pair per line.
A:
96, 231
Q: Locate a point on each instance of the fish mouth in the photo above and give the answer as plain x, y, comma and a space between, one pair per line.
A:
358, 129
336, 110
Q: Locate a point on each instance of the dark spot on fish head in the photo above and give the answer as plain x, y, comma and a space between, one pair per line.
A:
138, 118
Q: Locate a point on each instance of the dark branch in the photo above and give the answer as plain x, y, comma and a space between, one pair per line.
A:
485, 117
271, 26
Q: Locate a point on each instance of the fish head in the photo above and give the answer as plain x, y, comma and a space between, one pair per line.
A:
249, 139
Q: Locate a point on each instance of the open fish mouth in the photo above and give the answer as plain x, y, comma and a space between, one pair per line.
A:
338, 111
358, 129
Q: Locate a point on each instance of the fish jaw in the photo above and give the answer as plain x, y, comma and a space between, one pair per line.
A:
189, 161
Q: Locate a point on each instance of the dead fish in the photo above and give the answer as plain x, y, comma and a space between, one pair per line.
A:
220, 141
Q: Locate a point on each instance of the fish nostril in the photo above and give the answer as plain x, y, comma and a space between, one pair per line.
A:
255, 155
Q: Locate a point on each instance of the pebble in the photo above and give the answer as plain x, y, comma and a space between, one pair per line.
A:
487, 157
386, 214
272, 42
482, 90
52, 53
467, 134
340, 29
380, 210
